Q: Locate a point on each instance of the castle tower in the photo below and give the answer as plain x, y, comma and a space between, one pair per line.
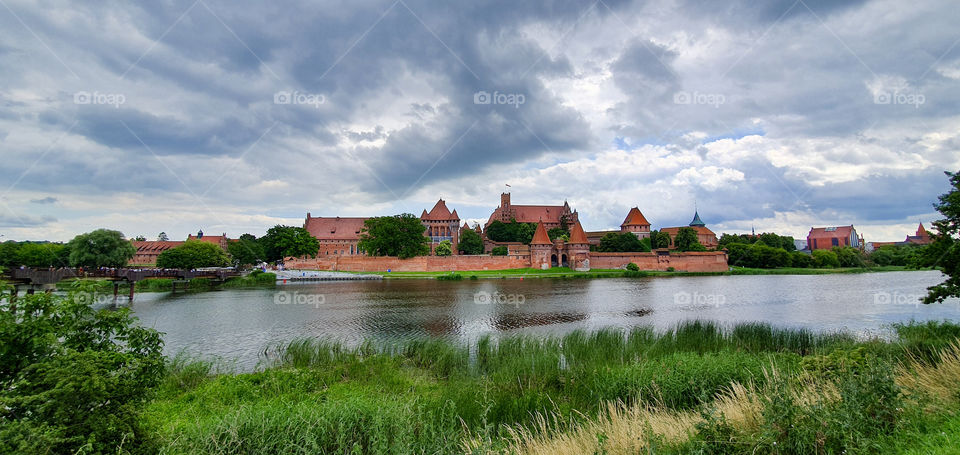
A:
636, 223
540, 248
578, 249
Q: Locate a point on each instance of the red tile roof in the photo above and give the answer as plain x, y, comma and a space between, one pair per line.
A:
439, 212
700, 230
154, 245
830, 232
577, 235
334, 228
540, 237
635, 218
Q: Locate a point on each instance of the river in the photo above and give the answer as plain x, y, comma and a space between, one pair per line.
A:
237, 325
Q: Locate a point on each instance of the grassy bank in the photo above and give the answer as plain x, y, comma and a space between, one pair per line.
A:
166, 285
566, 272
695, 389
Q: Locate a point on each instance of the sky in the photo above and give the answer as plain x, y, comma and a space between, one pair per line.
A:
177, 116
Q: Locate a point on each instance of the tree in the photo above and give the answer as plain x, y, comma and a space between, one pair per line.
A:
246, 251
944, 252
848, 256
557, 232
825, 259
40, 255
470, 242
499, 251
193, 254
398, 235
687, 240
140, 238
9, 254
289, 241
801, 260
444, 248
74, 379
618, 242
513, 231
163, 237
100, 248
659, 239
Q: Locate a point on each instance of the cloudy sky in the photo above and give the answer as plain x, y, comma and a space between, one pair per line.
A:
180, 115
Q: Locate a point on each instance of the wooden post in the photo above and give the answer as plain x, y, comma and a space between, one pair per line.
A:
116, 290
133, 285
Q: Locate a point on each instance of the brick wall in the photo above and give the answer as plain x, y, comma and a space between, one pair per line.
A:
708, 261
417, 264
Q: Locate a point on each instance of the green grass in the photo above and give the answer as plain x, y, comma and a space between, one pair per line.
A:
427, 395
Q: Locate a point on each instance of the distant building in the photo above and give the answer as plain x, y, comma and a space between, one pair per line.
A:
147, 251
220, 240
338, 236
825, 238
636, 223
550, 215
922, 237
706, 237
800, 244
442, 225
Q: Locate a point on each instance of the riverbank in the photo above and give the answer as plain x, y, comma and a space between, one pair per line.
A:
697, 388
566, 272
260, 280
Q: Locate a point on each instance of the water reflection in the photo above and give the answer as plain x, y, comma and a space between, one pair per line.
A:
240, 323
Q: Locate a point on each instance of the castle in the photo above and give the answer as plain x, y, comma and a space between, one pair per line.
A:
339, 238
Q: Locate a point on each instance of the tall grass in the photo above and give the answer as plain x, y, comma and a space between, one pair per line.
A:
585, 392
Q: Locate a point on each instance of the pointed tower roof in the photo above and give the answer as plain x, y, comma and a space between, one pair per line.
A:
921, 231
696, 220
577, 235
540, 237
454, 215
635, 218
423, 215
439, 212
465, 225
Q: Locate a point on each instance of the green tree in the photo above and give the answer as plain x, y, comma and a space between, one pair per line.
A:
801, 260
247, 251
557, 232
848, 256
470, 242
825, 259
289, 241
619, 242
9, 254
41, 255
74, 379
193, 254
162, 237
513, 231
687, 240
100, 248
659, 239
499, 251
944, 252
398, 235
140, 238
444, 248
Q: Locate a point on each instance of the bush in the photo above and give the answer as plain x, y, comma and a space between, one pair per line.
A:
825, 259
74, 379
450, 277
499, 251
633, 267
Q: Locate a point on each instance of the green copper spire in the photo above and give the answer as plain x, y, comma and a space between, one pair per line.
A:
696, 220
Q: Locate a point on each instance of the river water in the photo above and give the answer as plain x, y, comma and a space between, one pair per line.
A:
238, 325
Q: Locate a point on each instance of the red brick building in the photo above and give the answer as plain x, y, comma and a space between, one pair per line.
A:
636, 223
705, 236
147, 251
442, 225
337, 235
550, 215
825, 238
220, 240
922, 237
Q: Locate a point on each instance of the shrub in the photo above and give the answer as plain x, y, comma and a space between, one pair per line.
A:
74, 379
450, 277
499, 251
825, 259
633, 267
671, 269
